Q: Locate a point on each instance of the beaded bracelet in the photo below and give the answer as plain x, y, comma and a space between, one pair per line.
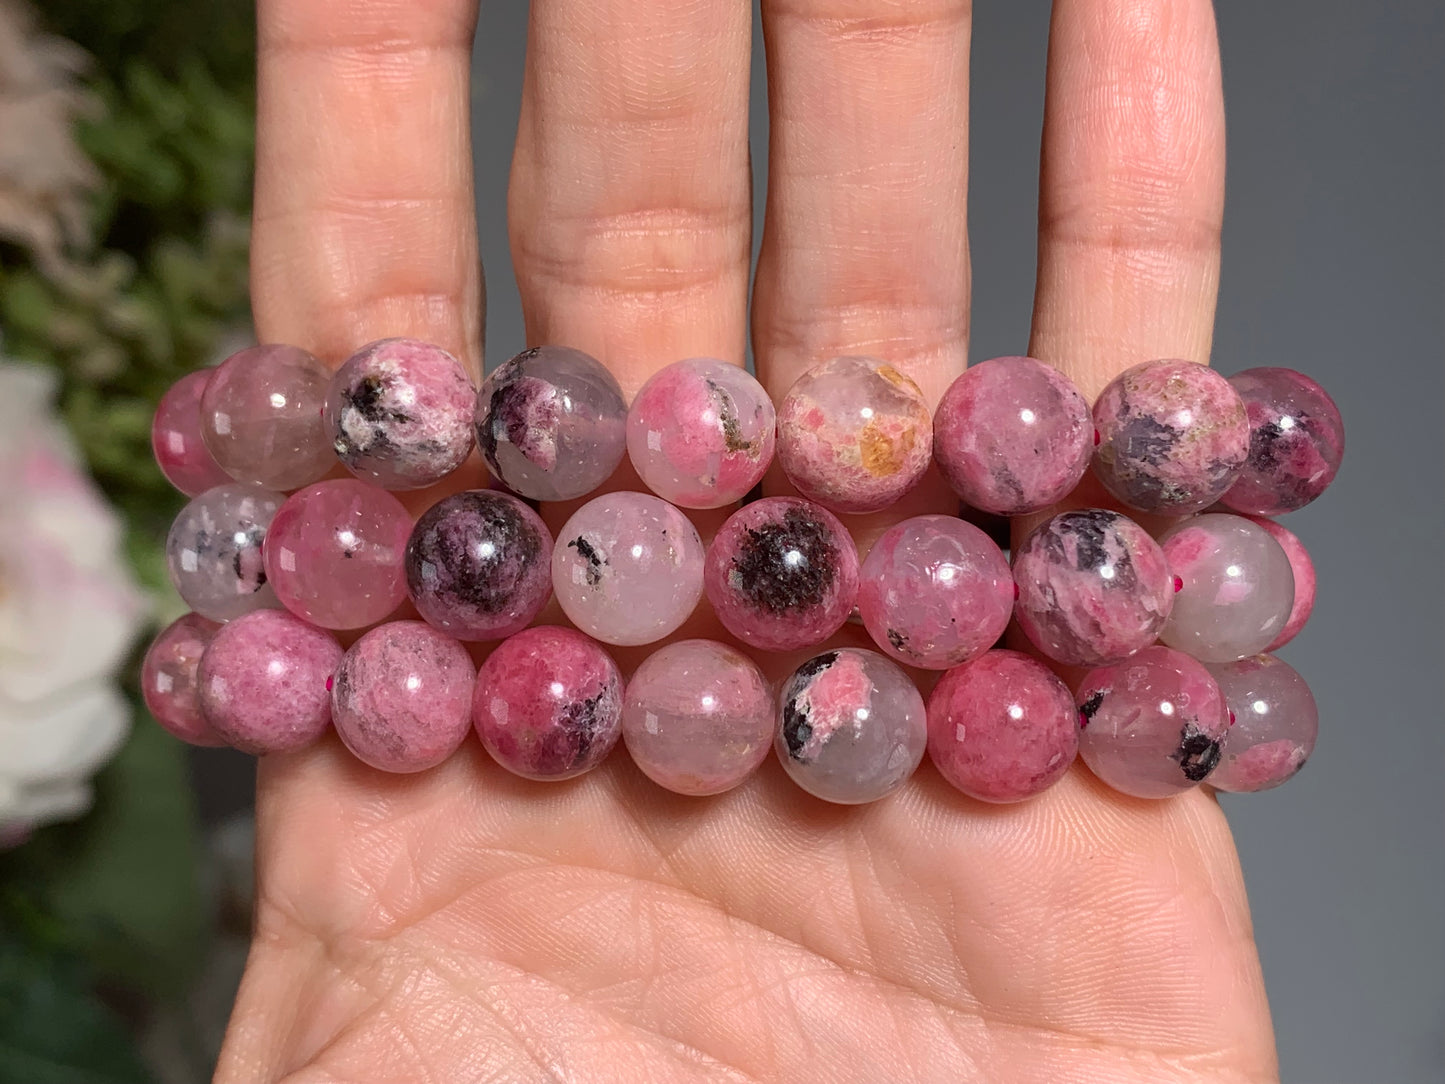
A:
1172, 634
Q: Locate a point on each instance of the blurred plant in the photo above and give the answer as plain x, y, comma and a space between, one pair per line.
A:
124, 203
44, 175
69, 612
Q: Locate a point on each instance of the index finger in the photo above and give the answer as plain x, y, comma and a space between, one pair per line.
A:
364, 223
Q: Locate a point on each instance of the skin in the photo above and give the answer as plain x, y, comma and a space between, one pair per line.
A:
455, 925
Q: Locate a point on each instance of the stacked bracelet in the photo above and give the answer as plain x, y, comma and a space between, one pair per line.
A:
1172, 635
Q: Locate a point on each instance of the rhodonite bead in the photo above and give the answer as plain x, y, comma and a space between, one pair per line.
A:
168, 678
935, 592
1173, 436
1296, 442
701, 433
479, 565
548, 703
176, 440
1235, 587
854, 727
854, 434
782, 573
1152, 725
261, 417
627, 568
698, 717
1303, 570
551, 423
1093, 587
1012, 435
1001, 728
265, 682
399, 413
402, 698
334, 554
213, 551
1275, 723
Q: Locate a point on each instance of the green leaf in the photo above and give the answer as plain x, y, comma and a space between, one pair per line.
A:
123, 882
53, 1029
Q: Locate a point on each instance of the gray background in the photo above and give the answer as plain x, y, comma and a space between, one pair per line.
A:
1332, 264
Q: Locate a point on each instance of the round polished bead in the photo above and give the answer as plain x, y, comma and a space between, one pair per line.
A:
1001, 728
402, 698
399, 413
935, 592
551, 423
853, 726
782, 573
701, 432
1235, 587
479, 565
548, 703
1093, 587
1296, 442
698, 717
1012, 435
213, 551
1275, 723
1303, 575
168, 678
265, 682
176, 440
261, 417
854, 434
627, 568
334, 554
1152, 725
1173, 436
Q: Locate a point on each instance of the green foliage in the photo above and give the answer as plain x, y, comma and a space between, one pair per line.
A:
165, 285
119, 888
113, 901
52, 1028
219, 33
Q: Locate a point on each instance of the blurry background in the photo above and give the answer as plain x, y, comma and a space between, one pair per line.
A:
124, 185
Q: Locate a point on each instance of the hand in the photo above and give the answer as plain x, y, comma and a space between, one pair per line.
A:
464, 925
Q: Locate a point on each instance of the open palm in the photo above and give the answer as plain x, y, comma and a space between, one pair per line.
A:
466, 925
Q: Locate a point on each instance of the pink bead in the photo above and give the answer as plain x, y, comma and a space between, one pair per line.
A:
402, 698
213, 551
168, 678
261, 417
399, 413
334, 554
698, 717
1235, 587
1001, 728
551, 423
782, 573
176, 437
1152, 725
265, 682
479, 565
627, 568
1275, 724
1304, 579
1296, 442
1173, 436
1093, 587
701, 433
854, 727
935, 592
548, 703
854, 434
1012, 435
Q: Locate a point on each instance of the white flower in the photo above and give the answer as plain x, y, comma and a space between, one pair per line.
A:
69, 610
